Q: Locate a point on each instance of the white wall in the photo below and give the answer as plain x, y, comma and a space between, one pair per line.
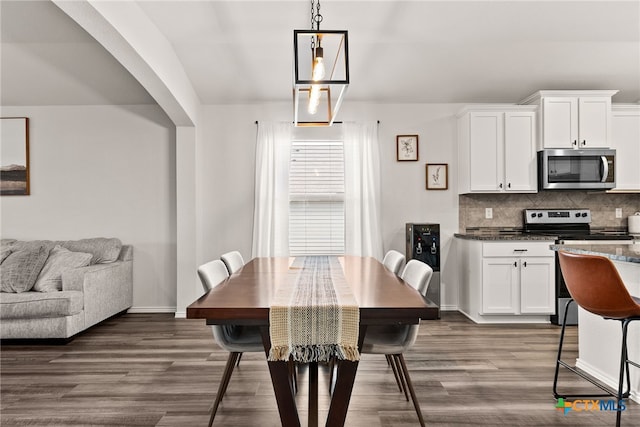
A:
226, 164
103, 171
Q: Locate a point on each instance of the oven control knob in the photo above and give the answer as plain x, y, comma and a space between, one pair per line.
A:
533, 215
539, 214
577, 214
584, 214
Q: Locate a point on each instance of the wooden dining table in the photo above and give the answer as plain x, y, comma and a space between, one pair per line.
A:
245, 297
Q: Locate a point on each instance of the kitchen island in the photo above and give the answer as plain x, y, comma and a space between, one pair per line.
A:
599, 340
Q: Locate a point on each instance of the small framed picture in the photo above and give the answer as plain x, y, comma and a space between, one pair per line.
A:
437, 176
14, 153
407, 148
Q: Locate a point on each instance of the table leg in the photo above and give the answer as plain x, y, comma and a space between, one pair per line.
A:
344, 385
313, 394
281, 385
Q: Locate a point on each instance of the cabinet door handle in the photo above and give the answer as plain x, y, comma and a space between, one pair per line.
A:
515, 263
524, 264
575, 142
509, 185
520, 250
584, 142
500, 186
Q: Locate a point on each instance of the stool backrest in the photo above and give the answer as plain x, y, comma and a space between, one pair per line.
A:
595, 285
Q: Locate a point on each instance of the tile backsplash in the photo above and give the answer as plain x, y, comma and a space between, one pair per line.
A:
507, 208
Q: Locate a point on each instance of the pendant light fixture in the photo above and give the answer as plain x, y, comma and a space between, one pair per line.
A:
321, 72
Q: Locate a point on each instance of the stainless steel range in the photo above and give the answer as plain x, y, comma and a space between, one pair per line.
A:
571, 227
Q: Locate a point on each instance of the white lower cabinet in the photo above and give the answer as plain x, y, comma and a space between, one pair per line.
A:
507, 281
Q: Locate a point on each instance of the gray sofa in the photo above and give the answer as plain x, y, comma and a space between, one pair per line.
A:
71, 298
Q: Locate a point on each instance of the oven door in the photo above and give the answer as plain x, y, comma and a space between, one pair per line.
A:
576, 169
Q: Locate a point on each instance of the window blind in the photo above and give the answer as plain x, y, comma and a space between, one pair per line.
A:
316, 198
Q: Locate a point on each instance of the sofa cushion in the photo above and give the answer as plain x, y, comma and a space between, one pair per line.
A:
21, 268
4, 253
60, 260
7, 242
103, 250
28, 305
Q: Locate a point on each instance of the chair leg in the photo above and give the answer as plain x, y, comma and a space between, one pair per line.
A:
624, 367
222, 388
409, 385
403, 381
559, 358
239, 357
394, 368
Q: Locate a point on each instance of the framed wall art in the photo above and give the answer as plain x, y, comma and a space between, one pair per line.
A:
407, 148
14, 156
437, 176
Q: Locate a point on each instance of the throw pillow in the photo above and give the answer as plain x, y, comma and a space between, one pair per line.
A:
59, 261
20, 269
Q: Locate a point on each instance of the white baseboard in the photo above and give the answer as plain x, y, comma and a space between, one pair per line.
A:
606, 378
181, 314
448, 308
151, 310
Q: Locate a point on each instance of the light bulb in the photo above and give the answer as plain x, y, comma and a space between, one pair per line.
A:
318, 69
314, 99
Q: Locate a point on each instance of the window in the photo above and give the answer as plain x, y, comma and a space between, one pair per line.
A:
316, 198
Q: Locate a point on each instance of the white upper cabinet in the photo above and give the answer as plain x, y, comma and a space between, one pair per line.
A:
626, 141
574, 119
520, 151
496, 149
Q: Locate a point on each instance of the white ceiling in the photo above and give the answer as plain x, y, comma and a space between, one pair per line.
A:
400, 51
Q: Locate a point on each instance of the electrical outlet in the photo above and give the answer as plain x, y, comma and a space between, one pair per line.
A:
618, 212
488, 213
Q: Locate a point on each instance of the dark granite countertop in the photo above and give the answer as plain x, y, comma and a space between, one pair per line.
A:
503, 235
624, 253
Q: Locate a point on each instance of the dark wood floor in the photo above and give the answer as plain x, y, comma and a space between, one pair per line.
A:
154, 370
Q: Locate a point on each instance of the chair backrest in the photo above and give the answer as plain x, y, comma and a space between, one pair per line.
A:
393, 260
595, 285
417, 274
212, 273
233, 260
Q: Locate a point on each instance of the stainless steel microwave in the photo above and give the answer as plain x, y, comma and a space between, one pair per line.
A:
588, 169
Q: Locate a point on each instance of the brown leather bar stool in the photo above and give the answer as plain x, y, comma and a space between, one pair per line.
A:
596, 286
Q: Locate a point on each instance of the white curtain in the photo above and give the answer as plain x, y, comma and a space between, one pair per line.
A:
271, 207
362, 190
